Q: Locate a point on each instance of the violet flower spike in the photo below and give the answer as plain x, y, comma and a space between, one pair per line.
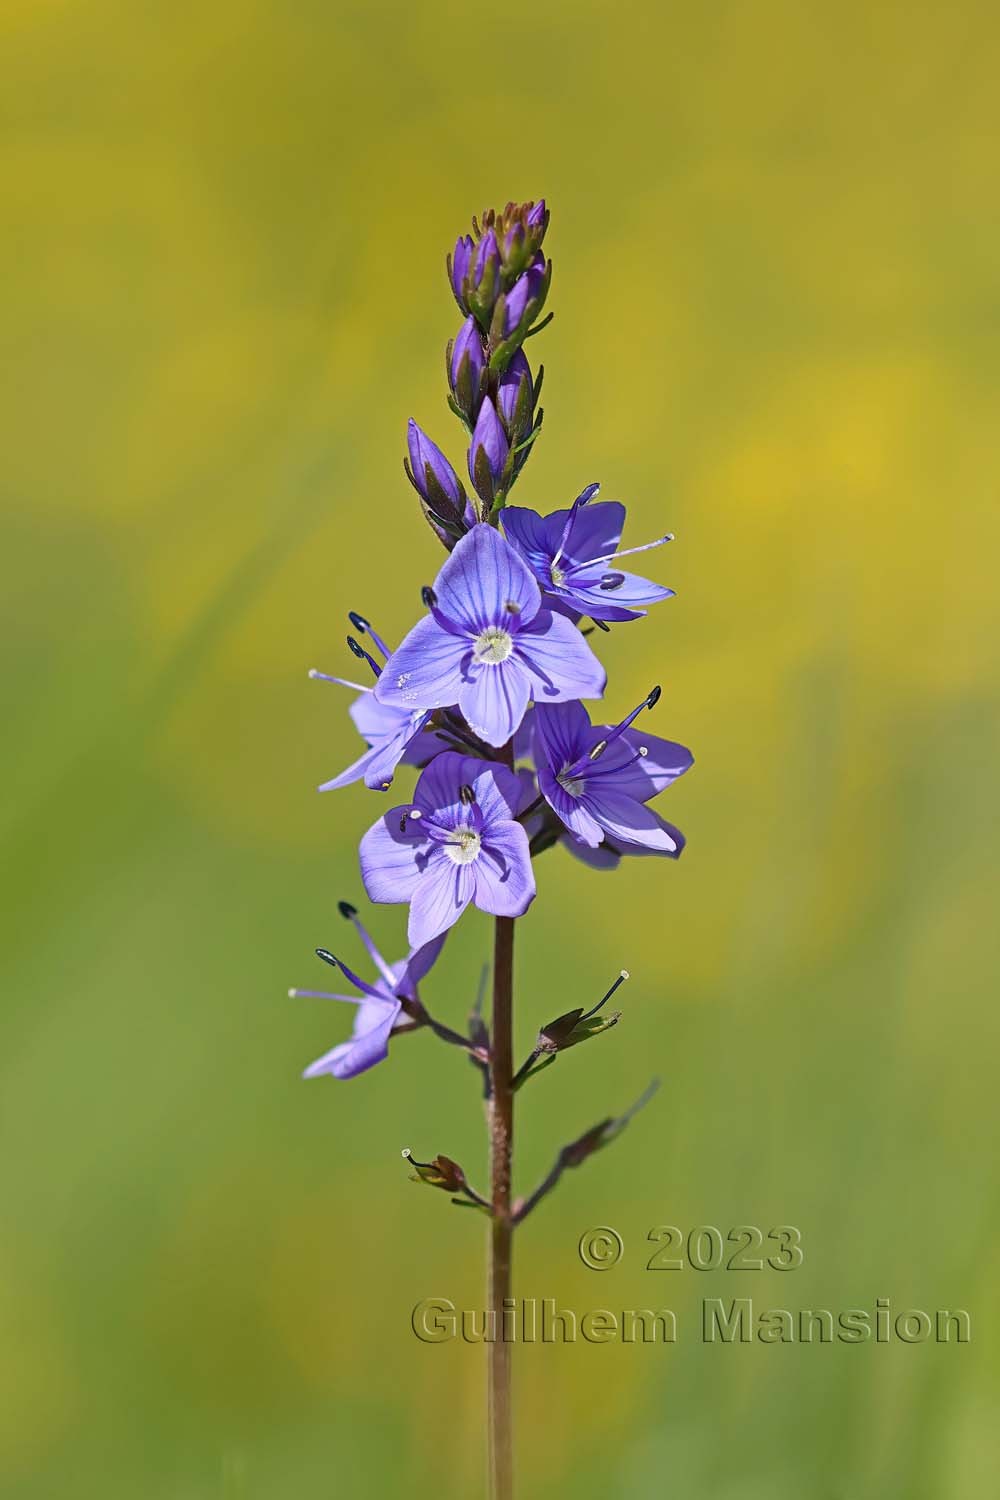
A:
488, 644
457, 843
574, 555
598, 779
378, 1007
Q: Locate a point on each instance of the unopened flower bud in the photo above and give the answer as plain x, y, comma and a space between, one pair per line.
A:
525, 298
466, 365
488, 451
515, 399
458, 268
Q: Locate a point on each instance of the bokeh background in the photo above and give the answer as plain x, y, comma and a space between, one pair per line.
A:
776, 239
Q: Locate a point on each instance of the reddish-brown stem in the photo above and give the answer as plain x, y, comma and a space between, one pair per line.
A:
501, 1125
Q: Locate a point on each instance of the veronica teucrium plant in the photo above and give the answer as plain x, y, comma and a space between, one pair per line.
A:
486, 699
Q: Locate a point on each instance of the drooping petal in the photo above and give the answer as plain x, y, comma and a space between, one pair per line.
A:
504, 878
425, 671
442, 893
389, 858
354, 772
630, 821
369, 1044
481, 578
385, 757
559, 659
570, 810
494, 699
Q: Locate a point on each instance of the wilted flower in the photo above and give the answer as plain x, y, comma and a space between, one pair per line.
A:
488, 644
378, 1008
457, 842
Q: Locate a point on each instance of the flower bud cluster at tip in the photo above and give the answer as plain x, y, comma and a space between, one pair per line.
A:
500, 280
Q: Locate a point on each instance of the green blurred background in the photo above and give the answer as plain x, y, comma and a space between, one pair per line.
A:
776, 239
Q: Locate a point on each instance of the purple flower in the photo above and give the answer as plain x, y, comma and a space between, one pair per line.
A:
488, 645
457, 842
597, 779
465, 369
573, 554
487, 451
378, 1008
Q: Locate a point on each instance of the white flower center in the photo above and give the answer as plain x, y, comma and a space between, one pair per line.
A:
571, 784
492, 646
462, 846
558, 577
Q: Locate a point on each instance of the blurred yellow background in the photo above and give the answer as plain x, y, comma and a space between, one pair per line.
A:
776, 243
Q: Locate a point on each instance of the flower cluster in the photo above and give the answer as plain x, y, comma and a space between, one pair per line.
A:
486, 693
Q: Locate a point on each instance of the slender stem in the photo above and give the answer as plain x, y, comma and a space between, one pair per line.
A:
501, 1127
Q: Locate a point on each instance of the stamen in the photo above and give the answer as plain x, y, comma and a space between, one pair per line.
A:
428, 596
364, 626
360, 652
628, 552
512, 607
581, 500
467, 795
611, 581
598, 750
318, 676
327, 957
350, 913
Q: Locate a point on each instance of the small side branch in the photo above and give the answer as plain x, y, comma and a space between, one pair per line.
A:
577, 1151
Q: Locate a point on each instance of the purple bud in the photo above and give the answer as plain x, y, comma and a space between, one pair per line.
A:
536, 215
460, 268
513, 242
487, 257
466, 367
488, 450
524, 290
509, 389
424, 456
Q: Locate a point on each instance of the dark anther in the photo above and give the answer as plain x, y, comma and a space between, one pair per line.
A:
612, 581
654, 697
429, 597
358, 650
467, 795
512, 607
347, 910
327, 957
358, 621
